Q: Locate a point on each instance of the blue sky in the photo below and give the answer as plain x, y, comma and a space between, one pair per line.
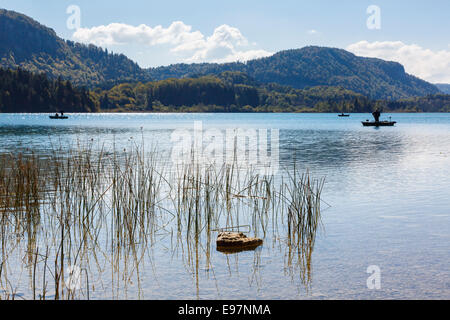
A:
415, 33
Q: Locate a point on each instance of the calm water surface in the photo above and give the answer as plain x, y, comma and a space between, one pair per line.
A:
387, 196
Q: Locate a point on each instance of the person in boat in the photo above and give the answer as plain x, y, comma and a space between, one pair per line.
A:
376, 114
56, 115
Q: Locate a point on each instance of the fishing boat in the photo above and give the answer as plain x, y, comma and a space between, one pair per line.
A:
343, 115
59, 116
378, 123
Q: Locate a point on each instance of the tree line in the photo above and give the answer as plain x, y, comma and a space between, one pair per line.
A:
23, 91
228, 92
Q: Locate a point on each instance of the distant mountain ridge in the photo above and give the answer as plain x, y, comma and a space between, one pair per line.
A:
27, 44
444, 87
317, 66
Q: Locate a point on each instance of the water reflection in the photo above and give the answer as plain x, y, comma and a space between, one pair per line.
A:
339, 148
101, 213
138, 236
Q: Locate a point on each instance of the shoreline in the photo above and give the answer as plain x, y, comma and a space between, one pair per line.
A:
171, 112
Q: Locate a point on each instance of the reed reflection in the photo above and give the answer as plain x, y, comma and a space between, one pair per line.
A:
104, 211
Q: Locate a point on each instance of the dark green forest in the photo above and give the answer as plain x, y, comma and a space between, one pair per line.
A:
23, 91
237, 92
228, 92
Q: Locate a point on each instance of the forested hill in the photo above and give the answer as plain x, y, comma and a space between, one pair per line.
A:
317, 66
23, 91
27, 44
236, 92
227, 92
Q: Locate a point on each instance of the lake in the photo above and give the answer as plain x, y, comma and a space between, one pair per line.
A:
384, 207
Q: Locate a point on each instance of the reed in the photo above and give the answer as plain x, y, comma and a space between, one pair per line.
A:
93, 206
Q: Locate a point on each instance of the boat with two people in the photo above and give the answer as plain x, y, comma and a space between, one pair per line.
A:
59, 116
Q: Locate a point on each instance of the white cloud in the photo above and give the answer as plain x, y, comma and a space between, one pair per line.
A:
119, 34
433, 66
226, 44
